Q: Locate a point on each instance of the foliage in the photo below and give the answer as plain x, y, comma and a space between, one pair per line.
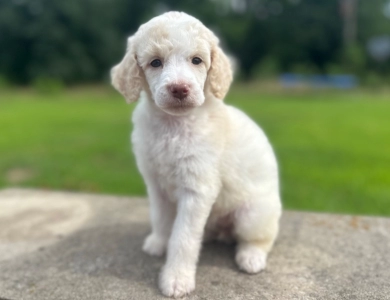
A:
354, 59
268, 67
4, 84
372, 79
78, 41
48, 85
68, 40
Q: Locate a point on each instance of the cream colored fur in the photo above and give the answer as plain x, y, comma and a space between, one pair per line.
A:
210, 171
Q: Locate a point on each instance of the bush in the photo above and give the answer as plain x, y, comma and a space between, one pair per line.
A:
268, 67
373, 79
46, 85
335, 69
4, 83
304, 69
355, 59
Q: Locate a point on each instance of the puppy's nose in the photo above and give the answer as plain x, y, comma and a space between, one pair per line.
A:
179, 91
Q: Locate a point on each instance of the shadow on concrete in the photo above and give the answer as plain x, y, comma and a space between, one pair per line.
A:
114, 251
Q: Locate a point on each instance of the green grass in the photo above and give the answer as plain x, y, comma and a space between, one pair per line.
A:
333, 147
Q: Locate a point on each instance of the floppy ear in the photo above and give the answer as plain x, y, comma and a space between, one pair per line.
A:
220, 74
126, 77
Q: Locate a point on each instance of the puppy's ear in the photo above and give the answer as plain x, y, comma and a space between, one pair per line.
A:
126, 77
220, 74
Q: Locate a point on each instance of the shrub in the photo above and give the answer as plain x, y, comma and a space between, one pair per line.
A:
355, 59
373, 79
304, 69
4, 83
268, 67
46, 85
335, 69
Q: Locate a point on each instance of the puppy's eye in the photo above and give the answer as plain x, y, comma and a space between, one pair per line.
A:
196, 61
156, 63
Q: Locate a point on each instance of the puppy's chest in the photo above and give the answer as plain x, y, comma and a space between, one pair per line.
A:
175, 151
170, 148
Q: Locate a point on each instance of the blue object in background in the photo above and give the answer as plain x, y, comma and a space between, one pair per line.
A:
291, 80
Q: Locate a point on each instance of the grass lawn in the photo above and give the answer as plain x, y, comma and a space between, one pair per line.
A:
333, 146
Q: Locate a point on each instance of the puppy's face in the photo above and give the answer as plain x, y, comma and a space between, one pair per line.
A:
175, 59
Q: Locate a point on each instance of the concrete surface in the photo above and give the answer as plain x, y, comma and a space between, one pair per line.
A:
56, 246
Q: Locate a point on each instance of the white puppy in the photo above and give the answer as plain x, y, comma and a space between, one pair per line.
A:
209, 170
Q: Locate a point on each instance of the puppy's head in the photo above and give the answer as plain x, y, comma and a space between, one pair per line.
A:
175, 59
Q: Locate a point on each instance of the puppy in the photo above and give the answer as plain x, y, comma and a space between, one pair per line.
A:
210, 171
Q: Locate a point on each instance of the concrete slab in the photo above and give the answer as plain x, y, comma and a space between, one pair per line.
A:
67, 246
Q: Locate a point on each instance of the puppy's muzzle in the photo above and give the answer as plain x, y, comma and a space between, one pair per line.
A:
179, 91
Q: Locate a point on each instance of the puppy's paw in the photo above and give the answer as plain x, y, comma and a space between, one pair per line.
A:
154, 245
251, 259
176, 284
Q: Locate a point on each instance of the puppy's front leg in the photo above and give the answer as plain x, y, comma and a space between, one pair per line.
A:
162, 215
178, 275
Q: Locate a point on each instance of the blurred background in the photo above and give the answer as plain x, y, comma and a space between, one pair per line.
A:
314, 74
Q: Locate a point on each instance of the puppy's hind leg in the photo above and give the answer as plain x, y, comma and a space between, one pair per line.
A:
256, 228
162, 216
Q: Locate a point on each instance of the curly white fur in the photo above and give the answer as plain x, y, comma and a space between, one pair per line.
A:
210, 171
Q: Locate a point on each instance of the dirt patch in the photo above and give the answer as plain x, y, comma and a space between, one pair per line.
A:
19, 175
